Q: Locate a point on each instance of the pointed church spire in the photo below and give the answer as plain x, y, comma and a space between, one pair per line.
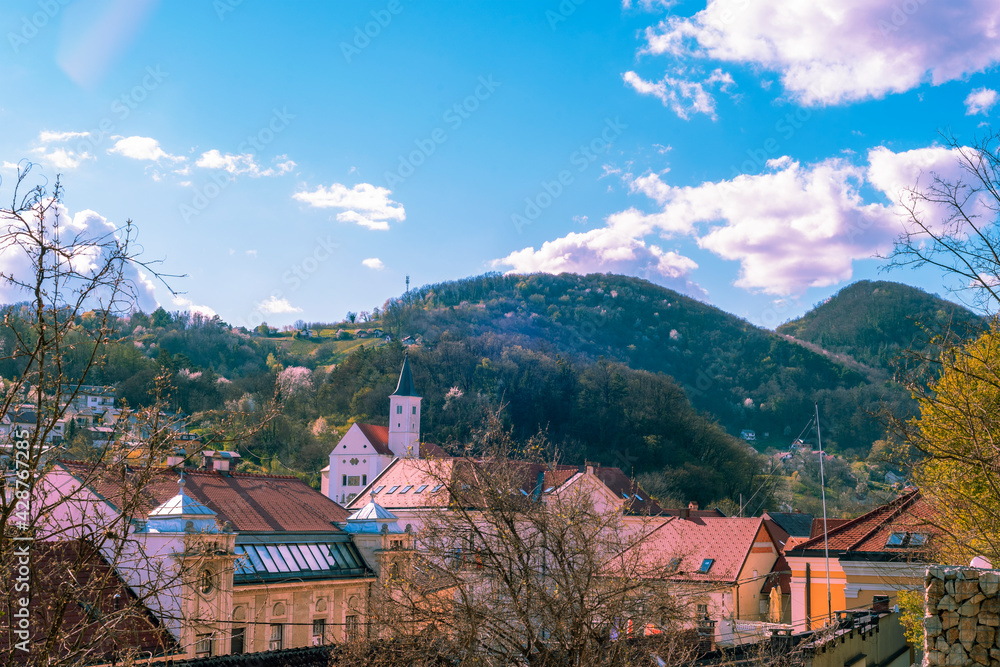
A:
405, 386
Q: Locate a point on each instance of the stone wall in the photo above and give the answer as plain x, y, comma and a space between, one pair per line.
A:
962, 617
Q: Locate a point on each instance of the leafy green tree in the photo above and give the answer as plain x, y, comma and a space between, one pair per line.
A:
160, 318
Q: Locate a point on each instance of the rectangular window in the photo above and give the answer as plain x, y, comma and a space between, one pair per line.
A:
364, 480
344, 480
378, 489
203, 645
238, 644
351, 627
399, 409
405, 489
702, 611
393, 489
353, 480
319, 631
277, 637
414, 409
420, 489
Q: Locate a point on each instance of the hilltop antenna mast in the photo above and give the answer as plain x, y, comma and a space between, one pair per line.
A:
407, 284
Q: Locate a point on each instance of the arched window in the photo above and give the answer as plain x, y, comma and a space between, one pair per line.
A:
206, 583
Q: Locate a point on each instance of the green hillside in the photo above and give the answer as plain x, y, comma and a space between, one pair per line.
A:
743, 376
876, 322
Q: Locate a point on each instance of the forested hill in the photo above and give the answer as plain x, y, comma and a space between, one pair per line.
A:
743, 376
876, 322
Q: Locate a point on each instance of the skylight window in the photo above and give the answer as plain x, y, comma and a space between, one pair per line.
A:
393, 489
405, 489
674, 564
378, 489
918, 539
706, 565
896, 540
437, 488
420, 489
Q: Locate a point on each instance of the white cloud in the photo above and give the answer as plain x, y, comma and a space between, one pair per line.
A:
251, 253
791, 227
243, 163
616, 248
373, 263
682, 94
85, 259
648, 5
364, 204
839, 51
274, 305
47, 137
61, 158
192, 307
980, 101
142, 148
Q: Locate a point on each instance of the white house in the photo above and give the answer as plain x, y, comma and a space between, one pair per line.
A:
366, 449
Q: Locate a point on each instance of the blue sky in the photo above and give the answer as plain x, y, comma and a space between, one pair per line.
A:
298, 161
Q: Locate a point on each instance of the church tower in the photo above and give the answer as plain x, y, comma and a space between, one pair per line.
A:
404, 415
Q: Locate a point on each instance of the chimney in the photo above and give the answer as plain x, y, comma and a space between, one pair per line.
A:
209, 457
686, 512
539, 485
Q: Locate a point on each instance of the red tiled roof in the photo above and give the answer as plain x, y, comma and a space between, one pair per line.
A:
869, 532
817, 525
250, 503
102, 615
726, 540
676, 511
378, 436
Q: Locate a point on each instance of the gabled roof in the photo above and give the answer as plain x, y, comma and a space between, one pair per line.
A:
869, 533
727, 541
405, 386
796, 524
378, 438
817, 525
250, 503
677, 511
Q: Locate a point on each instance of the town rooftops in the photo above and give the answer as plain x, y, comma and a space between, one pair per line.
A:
897, 529
249, 503
413, 483
378, 438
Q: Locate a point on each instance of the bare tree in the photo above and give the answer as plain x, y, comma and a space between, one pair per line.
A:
951, 223
507, 573
64, 560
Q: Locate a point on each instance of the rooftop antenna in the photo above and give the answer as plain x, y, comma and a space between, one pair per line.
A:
826, 527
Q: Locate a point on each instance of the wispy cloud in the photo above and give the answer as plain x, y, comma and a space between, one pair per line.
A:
363, 204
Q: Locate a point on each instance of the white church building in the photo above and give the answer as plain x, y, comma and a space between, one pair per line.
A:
367, 449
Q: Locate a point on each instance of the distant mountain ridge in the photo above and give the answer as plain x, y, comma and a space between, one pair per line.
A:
875, 322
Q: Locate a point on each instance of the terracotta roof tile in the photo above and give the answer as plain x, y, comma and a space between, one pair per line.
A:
869, 532
725, 540
250, 503
378, 436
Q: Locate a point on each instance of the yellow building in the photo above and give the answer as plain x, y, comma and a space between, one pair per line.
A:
870, 559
